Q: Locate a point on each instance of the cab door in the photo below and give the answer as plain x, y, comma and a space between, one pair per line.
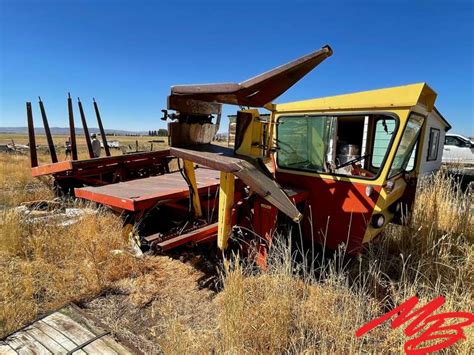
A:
398, 192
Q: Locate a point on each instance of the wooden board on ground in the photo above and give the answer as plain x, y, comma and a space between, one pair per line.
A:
67, 331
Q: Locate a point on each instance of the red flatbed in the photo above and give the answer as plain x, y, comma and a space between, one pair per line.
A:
141, 194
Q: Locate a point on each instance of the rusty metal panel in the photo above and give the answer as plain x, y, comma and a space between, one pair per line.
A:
221, 158
49, 169
212, 156
195, 236
186, 105
112, 162
257, 91
243, 121
144, 193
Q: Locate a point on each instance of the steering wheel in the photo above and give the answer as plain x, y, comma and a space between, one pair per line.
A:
350, 162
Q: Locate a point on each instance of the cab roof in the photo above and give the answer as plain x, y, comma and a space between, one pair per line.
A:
393, 97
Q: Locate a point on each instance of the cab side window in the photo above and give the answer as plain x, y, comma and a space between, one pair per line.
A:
433, 144
384, 129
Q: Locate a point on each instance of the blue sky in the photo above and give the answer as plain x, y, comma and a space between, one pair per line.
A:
127, 54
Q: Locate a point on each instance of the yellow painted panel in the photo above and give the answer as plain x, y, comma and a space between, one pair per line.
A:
226, 201
394, 97
251, 143
381, 207
189, 172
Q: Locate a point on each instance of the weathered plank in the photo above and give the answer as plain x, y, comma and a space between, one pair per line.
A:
90, 322
24, 343
59, 337
119, 348
7, 350
45, 340
62, 332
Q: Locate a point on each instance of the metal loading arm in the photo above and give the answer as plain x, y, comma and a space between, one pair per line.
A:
220, 158
257, 91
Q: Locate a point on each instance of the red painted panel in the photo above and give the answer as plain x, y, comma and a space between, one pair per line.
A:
196, 236
264, 221
340, 210
51, 168
132, 161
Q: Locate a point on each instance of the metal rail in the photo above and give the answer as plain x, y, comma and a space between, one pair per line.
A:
83, 345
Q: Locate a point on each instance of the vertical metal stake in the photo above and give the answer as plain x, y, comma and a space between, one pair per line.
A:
49, 138
72, 129
31, 135
101, 128
86, 129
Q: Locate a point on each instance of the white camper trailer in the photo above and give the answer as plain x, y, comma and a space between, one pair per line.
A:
432, 150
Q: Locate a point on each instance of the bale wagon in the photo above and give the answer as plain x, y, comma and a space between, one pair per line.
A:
340, 168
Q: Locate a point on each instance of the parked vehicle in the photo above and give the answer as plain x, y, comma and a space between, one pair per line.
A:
458, 149
111, 144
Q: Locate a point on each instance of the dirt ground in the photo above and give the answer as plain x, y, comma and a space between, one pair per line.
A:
143, 310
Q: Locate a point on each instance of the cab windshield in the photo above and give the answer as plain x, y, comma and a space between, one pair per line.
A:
354, 145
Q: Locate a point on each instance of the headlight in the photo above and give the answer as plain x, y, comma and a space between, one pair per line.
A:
390, 184
378, 220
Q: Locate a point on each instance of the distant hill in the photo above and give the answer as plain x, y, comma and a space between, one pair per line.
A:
65, 131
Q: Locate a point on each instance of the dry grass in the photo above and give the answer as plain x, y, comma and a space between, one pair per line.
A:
59, 139
156, 301
16, 183
436, 250
164, 310
278, 312
43, 266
